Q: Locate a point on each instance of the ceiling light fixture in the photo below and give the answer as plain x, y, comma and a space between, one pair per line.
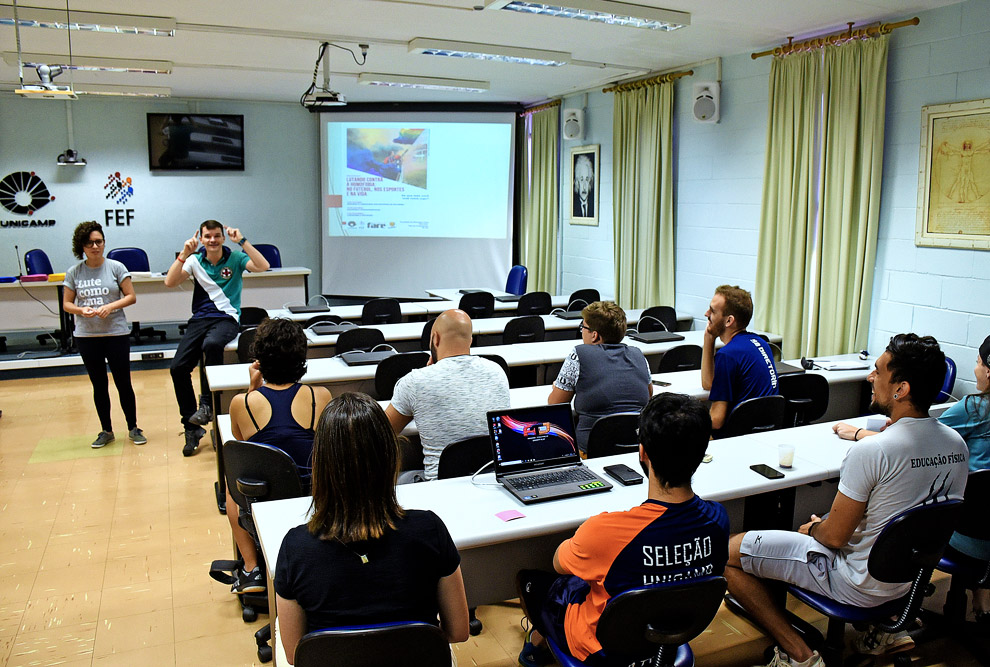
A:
124, 24
424, 82
122, 91
91, 63
497, 53
601, 11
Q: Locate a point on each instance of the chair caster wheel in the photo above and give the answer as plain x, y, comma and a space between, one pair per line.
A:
475, 627
265, 653
249, 615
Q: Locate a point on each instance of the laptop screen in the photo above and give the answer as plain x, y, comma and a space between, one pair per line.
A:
532, 438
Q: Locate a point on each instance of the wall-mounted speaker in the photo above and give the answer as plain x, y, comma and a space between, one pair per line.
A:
573, 123
705, 107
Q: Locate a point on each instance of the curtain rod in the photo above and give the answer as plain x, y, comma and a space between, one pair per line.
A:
643, 83
836, 38
539, 107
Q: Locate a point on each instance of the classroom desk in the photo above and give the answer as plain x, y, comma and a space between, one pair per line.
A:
411, 311
31, 306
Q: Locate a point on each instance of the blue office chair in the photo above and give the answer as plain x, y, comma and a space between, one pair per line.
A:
374, 645
136, 259
654, 623
950, 381
36, 262
516, 282
271, 253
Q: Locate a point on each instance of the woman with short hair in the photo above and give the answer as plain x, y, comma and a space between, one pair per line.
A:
362, 559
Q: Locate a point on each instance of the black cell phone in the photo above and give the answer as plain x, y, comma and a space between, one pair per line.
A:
624, 474
766, 471
660, 383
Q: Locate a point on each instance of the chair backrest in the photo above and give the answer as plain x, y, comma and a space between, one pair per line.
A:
36, 261
657, 318
424, 338
754, 415
270, 252
534, 303
583, 297
464, 457
516, 282
391, 369
252, 316
614, 434
636, 623
478, 304
381, 311
497, 358
359, 339
950, 380
135, 259
806, 395
681, 358
374, 645
259, 472
526, 329
244, 343
913, 541
325, 317
973, 522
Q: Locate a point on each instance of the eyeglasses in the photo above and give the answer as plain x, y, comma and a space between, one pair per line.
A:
584, 327
93, 244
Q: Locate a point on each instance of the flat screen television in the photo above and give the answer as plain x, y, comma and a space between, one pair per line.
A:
195, 142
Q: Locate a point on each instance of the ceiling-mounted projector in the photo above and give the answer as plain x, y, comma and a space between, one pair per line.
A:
323, 98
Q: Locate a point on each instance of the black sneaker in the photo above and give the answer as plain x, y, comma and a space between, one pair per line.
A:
103, 439
252, 582
193, 437
202, 416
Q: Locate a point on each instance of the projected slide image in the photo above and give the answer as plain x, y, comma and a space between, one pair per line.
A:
398, 155
519, 441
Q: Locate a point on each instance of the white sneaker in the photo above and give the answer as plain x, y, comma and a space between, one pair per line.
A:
874, 641
780, 659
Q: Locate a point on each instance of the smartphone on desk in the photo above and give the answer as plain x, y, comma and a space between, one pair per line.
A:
623, 474
660, 383
766, 471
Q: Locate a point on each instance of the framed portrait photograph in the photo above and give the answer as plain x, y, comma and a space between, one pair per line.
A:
954, 177
584, 185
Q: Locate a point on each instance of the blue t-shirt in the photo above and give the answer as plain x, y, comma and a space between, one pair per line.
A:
744, 369
969, 419
217, 290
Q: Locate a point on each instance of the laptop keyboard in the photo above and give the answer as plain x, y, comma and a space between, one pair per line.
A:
552, 478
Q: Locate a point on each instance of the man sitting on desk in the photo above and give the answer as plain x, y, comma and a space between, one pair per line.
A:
449, 398
880, 477
216, 310
673, 535
744, 367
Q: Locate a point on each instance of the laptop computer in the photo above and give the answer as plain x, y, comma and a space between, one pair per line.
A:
656, 337
330, 329
509, 298
536, 456
787, 369
358, 358
568, 314
320, 308
471, 291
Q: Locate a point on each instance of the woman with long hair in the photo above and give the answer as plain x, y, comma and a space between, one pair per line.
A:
96, 291
362, 559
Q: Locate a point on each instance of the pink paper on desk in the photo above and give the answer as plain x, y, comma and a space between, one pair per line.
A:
509, 515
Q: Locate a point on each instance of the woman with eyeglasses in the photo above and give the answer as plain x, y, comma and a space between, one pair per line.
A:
96, 291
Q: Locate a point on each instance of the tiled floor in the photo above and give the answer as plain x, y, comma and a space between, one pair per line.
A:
104, 554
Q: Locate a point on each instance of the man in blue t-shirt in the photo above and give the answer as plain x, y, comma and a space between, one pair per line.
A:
216, 311
744, 367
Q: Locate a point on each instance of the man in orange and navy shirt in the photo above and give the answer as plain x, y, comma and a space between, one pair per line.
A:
674, 535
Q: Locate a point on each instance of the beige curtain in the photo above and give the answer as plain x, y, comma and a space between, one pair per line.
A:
788, 215
540, 216
642, 196
855, 79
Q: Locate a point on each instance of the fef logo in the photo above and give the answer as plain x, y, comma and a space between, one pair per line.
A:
226, 273
119, 189
23, 193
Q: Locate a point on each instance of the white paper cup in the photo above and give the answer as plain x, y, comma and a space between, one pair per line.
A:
785, 455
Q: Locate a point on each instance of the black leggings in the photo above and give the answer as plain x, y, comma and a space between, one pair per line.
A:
97, 353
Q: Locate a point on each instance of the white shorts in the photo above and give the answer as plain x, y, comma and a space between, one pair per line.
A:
801, 560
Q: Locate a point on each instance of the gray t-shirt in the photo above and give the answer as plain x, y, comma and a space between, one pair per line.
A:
94, 288
914, 461
449, 400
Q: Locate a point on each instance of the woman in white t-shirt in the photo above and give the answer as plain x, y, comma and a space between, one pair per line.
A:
96, 292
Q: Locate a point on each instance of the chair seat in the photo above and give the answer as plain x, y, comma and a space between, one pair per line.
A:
684, 657
967, 568
847, 612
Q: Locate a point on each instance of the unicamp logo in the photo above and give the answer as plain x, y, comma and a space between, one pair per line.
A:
23, 193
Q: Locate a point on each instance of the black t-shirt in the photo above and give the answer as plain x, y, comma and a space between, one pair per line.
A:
398, 583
